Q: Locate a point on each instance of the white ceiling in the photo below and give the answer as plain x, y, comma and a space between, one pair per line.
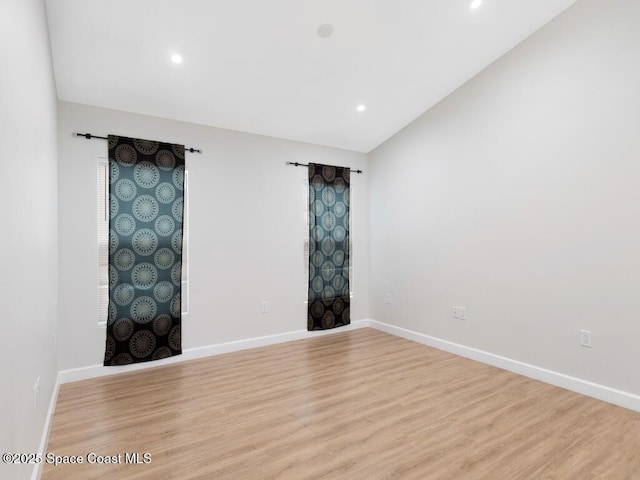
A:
258, 65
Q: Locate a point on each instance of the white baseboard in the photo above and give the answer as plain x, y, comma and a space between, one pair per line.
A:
584, 387
93, 371
44, 439
578, 385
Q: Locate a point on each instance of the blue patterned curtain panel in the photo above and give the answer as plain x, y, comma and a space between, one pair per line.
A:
145, 250
329, 190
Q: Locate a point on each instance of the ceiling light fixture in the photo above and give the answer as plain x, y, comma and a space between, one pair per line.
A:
325, 30
475, 4
177, 59
361, 108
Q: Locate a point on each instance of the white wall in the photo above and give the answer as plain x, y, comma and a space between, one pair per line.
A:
518, 197
247, 228
28, 289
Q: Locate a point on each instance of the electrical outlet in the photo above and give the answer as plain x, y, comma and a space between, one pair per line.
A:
264, 306
459, 313
388, 299
585, 338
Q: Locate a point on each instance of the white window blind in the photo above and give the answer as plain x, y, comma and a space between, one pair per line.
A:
103, 240
305, 249
185, 247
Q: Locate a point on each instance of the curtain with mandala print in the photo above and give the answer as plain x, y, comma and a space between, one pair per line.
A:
328, 303
145, 250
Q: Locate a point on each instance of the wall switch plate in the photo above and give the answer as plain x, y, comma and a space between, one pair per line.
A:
585, 338
264, 306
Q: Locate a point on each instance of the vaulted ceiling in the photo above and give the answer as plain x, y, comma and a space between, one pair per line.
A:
294, 69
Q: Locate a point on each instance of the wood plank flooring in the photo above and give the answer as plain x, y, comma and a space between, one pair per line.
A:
355, 405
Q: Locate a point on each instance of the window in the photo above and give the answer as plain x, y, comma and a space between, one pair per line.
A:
103, 242
305, 249
330, 274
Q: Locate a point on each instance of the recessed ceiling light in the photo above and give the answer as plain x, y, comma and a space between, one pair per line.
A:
361, 108
175, 58
325, 30
475, 4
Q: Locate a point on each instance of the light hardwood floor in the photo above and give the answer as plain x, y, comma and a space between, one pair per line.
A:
355, 405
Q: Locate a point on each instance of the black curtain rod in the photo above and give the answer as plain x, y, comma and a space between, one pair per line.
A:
296, 164
89, 136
